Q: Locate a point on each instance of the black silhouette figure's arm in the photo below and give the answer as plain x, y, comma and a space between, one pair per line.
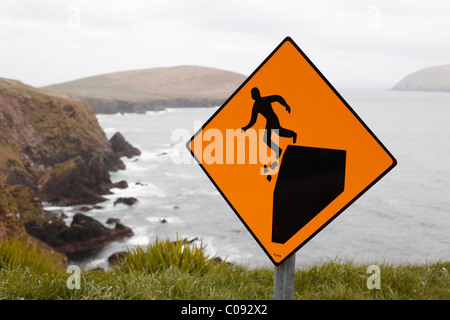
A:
252, 120
280, 100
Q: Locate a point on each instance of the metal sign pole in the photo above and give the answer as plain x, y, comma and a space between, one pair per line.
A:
283, 280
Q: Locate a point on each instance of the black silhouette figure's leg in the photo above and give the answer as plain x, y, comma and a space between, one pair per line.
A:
288, 134
272, 145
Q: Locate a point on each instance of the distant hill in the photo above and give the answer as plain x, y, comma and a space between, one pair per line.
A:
155, 88
428, 79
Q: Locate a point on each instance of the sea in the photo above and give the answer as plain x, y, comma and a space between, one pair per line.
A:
404, 218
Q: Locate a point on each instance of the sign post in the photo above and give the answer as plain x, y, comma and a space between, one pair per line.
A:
283, 280
288, 154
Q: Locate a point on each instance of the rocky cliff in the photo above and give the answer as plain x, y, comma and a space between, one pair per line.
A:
51, 149
47, 139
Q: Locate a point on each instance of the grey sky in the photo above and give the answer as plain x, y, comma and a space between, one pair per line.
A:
353, 42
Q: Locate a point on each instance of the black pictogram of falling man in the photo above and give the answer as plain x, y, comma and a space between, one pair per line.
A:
309, 179
263, 106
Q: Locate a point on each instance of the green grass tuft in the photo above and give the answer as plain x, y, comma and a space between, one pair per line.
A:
165, 254
16, 253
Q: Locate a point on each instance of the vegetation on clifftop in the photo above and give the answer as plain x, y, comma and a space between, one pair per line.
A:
185, 272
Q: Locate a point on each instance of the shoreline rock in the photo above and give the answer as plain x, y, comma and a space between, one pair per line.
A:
112, 221
74, 183
83, 236
115, 258
77, 182
127, 201
122, 148
120, 185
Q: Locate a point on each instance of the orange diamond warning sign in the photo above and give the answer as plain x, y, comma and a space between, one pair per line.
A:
288, 153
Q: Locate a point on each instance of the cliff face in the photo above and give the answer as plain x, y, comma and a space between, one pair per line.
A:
18, 207
41, 131
51, 149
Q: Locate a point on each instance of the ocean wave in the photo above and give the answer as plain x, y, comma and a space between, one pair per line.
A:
137, 189
200, 192
50, 207
157, 112
110, 130
142, 240
179, 175
96, 263
157, 154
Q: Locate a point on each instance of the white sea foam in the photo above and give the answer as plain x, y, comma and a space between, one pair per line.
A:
137, 189
142, 240
109, 130
206, 192
51, 207
97, 263
157, 112
171, 220
157, 155
180, 175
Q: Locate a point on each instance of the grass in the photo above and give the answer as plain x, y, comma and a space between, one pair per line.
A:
63, 167
169, 270
17, 253
165, 254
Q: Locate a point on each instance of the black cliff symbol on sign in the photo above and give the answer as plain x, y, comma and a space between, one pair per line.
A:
263, 106
309, 179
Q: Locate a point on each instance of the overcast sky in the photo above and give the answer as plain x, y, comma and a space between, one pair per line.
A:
353, 42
